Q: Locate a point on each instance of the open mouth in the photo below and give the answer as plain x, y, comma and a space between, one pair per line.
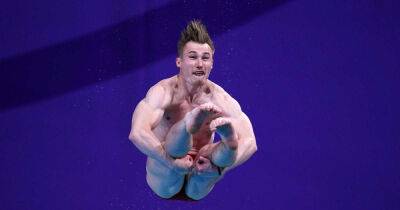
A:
199, 73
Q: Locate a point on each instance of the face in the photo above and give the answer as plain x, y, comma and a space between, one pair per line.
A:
196, 62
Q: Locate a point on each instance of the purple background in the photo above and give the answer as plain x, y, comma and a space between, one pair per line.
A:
318, 79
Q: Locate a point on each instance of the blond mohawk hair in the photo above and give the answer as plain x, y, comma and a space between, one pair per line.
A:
197, 32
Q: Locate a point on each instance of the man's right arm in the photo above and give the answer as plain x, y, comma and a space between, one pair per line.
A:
146, 116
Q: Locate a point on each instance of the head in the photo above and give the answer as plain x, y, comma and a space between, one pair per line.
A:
195, 53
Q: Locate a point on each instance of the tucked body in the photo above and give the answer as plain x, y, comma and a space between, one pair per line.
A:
175, 125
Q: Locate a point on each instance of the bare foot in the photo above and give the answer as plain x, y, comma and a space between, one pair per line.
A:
196, 117
223, 126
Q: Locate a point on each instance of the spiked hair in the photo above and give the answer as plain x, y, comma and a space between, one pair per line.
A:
197, 32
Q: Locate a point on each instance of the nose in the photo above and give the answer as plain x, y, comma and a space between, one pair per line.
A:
199, 63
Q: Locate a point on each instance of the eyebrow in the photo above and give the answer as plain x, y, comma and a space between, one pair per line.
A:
206, 53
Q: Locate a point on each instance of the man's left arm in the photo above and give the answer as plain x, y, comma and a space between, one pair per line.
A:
243, 131
247, 145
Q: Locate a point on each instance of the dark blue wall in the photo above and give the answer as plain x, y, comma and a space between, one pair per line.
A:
318, 79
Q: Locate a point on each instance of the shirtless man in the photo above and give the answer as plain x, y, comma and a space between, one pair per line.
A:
175, 124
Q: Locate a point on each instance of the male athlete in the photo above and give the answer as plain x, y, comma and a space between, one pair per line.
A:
175, 124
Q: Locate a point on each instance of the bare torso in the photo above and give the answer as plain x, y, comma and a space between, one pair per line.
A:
168, 114
180, 104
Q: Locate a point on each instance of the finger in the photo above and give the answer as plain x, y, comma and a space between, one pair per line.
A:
205, 106
210, 107
212, 127
219, 121
214, 124
223, 121
216, 109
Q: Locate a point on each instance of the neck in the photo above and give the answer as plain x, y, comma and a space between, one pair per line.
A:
189, 89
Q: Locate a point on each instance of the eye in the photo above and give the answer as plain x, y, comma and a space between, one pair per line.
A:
205, 58
192, 57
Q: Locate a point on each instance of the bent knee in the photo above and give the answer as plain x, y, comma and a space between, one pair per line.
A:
162, 189
195, 196
197, 193
200, 185
165, 194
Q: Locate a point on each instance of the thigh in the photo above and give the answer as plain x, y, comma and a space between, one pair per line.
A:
164, 181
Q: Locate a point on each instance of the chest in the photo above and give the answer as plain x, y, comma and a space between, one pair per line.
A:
177, 112
181, 105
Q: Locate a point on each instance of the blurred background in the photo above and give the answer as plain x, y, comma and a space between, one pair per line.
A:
318, 79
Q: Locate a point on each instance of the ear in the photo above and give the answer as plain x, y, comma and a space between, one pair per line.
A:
178, 62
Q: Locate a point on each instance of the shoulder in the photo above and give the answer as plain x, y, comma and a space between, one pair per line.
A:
160, 94
223, 98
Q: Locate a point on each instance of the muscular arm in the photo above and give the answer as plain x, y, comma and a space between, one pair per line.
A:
146, 116
246, 140
244, 134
